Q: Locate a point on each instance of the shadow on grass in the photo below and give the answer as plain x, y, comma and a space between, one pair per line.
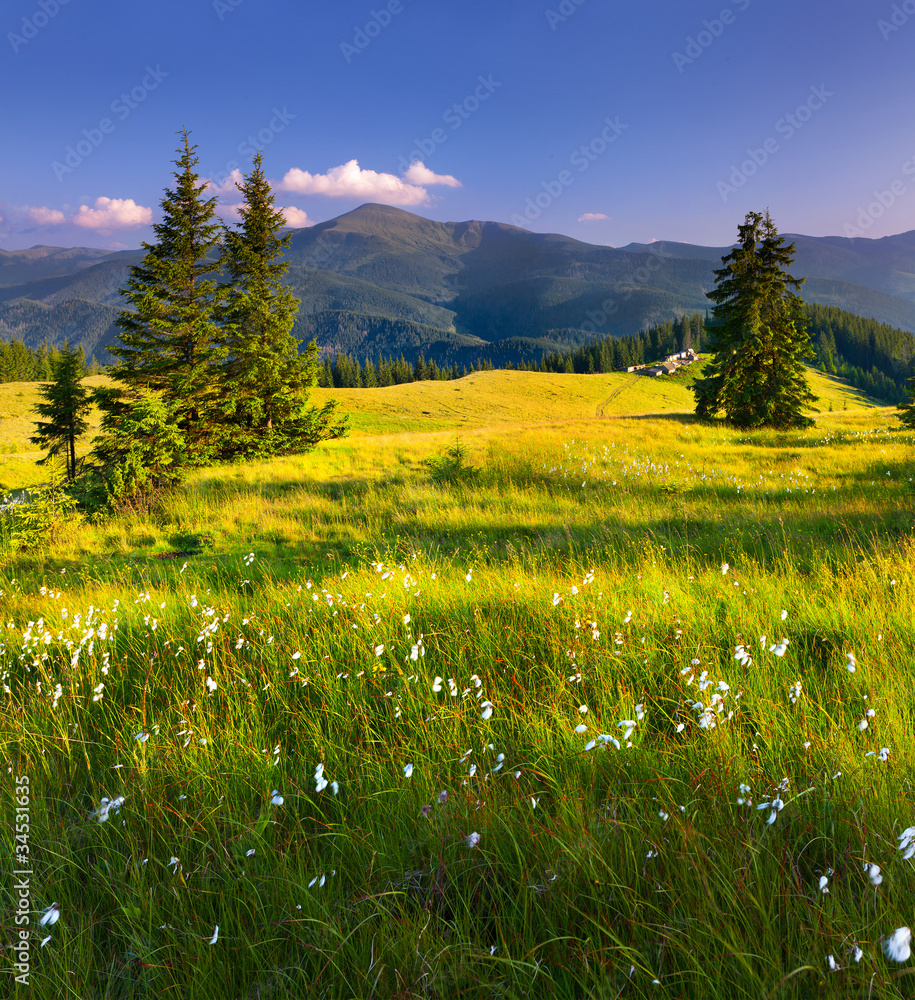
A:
810, 542
871, 514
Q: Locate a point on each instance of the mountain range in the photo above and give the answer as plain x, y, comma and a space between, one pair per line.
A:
379, 281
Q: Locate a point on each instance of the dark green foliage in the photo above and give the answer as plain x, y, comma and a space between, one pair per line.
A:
138, 454
613, 354
19, 363
452, 467
84, 323
907, 409
169, 345
209, 369
344, 372
265, 381
37, 517
66, 403
756, 376
609, 354
874, 357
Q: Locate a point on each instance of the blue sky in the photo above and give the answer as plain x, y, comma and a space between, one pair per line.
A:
612, 122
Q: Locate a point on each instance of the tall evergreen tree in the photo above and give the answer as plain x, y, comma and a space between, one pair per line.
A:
169, 345
66, 403
907, 409
756, 375
266, 381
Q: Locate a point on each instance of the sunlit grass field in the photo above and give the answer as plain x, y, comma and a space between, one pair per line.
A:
609, 705
479, 400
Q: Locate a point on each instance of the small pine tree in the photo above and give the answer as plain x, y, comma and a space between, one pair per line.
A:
137, 455
66, 403
756, 375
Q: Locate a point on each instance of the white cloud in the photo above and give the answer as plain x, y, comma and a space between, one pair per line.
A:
296, 218
349, 180
419, 173
593, 217
225, 188
46, 216
229, 213
113, 213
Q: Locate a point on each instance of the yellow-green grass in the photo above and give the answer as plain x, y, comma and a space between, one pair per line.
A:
486, 398
18, 456
479, 400
597, 869
277, 616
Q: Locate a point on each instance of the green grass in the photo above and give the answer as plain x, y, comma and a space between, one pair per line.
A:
579, 564
480, 400
18, 456
487, 398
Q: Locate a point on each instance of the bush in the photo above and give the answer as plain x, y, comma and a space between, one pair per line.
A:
451, 467
37, 517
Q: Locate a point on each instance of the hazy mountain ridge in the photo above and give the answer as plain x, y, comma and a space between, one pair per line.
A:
19, 266
379, 278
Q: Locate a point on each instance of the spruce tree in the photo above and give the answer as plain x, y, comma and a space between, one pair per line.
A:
138, 454
66, 403
907, 409
265, 379
169, 345
756, 376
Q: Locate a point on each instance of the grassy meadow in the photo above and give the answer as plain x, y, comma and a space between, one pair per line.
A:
533, 686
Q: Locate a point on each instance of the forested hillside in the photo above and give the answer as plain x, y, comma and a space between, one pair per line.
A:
872, 356
379, 281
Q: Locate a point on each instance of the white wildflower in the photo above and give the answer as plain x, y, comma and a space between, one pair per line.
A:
897, 946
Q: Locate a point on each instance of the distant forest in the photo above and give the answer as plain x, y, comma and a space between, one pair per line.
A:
19, 363
872, 356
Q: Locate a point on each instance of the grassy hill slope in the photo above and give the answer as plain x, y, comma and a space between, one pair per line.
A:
481, 399
487, 398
